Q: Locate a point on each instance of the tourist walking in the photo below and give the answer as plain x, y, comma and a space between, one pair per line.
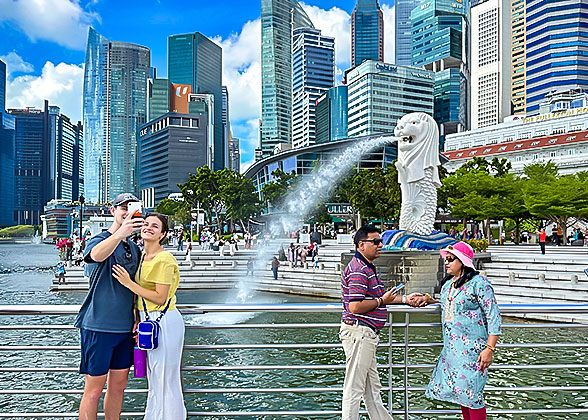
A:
471, 325
180, 240
155, 285
106, 317
542, 238
364, 315
189, 251
303, 255
275, 265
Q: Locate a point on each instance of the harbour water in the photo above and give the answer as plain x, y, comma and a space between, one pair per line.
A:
25, 275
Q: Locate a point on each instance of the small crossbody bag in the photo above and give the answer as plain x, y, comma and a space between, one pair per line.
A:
148, 331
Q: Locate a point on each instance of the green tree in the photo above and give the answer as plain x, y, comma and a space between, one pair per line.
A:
376, 193
275, 192
562, 199
203, 189
169, 207
239, 197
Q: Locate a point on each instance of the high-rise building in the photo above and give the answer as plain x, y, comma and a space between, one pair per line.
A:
158, 93
331, 115
440, 36
48, 160
491, 76
7, 156
313, 72
226, 127
171, 147
115, 106
196, 61
555, 49
278, 20
235, 155
518, 59
367, 32
403, 26
379, 94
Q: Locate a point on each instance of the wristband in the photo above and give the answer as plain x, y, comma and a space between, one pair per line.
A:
403, 298
493, 349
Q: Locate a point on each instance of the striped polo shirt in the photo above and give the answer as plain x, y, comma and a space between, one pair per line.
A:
360, 282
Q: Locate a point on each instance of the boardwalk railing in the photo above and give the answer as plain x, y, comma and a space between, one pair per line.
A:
397, 374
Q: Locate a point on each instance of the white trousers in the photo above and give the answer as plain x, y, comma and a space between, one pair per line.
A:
165, 400
361, 373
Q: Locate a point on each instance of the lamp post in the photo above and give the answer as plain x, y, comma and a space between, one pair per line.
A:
82, 201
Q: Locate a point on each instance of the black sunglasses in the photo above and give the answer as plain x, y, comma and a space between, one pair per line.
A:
450, 258
376, 241
128, 253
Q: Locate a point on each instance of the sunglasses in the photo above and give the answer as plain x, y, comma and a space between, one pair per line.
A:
450, 258
376, 241
128, 253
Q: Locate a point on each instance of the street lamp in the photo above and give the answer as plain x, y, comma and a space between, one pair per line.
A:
82, 201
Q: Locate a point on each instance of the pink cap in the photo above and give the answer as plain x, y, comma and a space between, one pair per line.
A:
462, 251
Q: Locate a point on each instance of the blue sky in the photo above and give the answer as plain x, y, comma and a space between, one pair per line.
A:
43, 43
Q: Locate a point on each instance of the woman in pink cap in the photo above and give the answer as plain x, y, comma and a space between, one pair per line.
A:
471, 326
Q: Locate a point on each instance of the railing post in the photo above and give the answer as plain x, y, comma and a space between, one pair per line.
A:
406, 322
390, 393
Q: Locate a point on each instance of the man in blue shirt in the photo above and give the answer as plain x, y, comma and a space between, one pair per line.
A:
106, 319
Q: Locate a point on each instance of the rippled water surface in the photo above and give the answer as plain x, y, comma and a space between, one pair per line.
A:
25, 277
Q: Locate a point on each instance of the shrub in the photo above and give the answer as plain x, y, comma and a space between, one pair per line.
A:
19, 231
479, 245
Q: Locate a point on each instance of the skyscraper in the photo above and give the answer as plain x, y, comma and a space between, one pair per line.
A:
367, 32
226, 127
555, 49
234, 155
517, 57
440, 36
115, 106
158, 93
278, 19
491, 76
313, 72
7, 156
195, 60
402, 40
331, 115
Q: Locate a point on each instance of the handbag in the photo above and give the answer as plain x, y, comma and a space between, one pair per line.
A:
148, 330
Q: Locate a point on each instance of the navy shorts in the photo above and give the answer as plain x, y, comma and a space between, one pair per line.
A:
102, 351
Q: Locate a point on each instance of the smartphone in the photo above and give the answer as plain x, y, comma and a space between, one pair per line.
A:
135, 209
398, 288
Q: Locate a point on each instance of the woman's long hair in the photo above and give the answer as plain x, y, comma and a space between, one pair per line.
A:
164, 225
467, 273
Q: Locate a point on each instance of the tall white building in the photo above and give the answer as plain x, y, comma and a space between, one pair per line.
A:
379, 94
490, 72
313, 72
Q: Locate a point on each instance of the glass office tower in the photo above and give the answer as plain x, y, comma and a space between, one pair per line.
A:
278, 19
115, 106
555, 49
440, 43
313, 72
195, 60
7, 156
331, 115
367, 32
402, 40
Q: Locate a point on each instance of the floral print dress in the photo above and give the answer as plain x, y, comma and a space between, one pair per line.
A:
469, 315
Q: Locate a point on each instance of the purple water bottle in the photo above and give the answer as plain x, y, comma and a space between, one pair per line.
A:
140, 362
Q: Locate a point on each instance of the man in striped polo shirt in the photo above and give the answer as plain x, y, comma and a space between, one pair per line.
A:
364, 314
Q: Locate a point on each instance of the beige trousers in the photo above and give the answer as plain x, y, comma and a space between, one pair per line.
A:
361, 374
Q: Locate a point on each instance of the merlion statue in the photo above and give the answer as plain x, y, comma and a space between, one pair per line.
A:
418, 175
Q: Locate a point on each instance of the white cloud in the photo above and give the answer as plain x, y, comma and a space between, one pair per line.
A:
389, 32
242, 71
60, 21
247, 133
61, 84
15, 64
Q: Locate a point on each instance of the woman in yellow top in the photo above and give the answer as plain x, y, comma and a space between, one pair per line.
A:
156, 282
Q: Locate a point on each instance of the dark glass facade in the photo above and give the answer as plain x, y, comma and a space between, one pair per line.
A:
171, 147
195, 60
367, 32
331, 115
402, 40
158, 92
2, 88
7, 155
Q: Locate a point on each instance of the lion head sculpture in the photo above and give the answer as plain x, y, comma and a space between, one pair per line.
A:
418, 147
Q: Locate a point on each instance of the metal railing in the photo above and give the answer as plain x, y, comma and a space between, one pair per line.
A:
399, 341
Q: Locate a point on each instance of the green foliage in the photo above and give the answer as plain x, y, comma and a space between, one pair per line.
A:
375, 193
479, 245
169, 207
239, 196
274, 192
19, 231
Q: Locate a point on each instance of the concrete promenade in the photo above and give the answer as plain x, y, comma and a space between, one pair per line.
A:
519, 274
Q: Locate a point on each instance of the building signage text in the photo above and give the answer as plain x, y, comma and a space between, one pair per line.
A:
386, 67
559, 114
